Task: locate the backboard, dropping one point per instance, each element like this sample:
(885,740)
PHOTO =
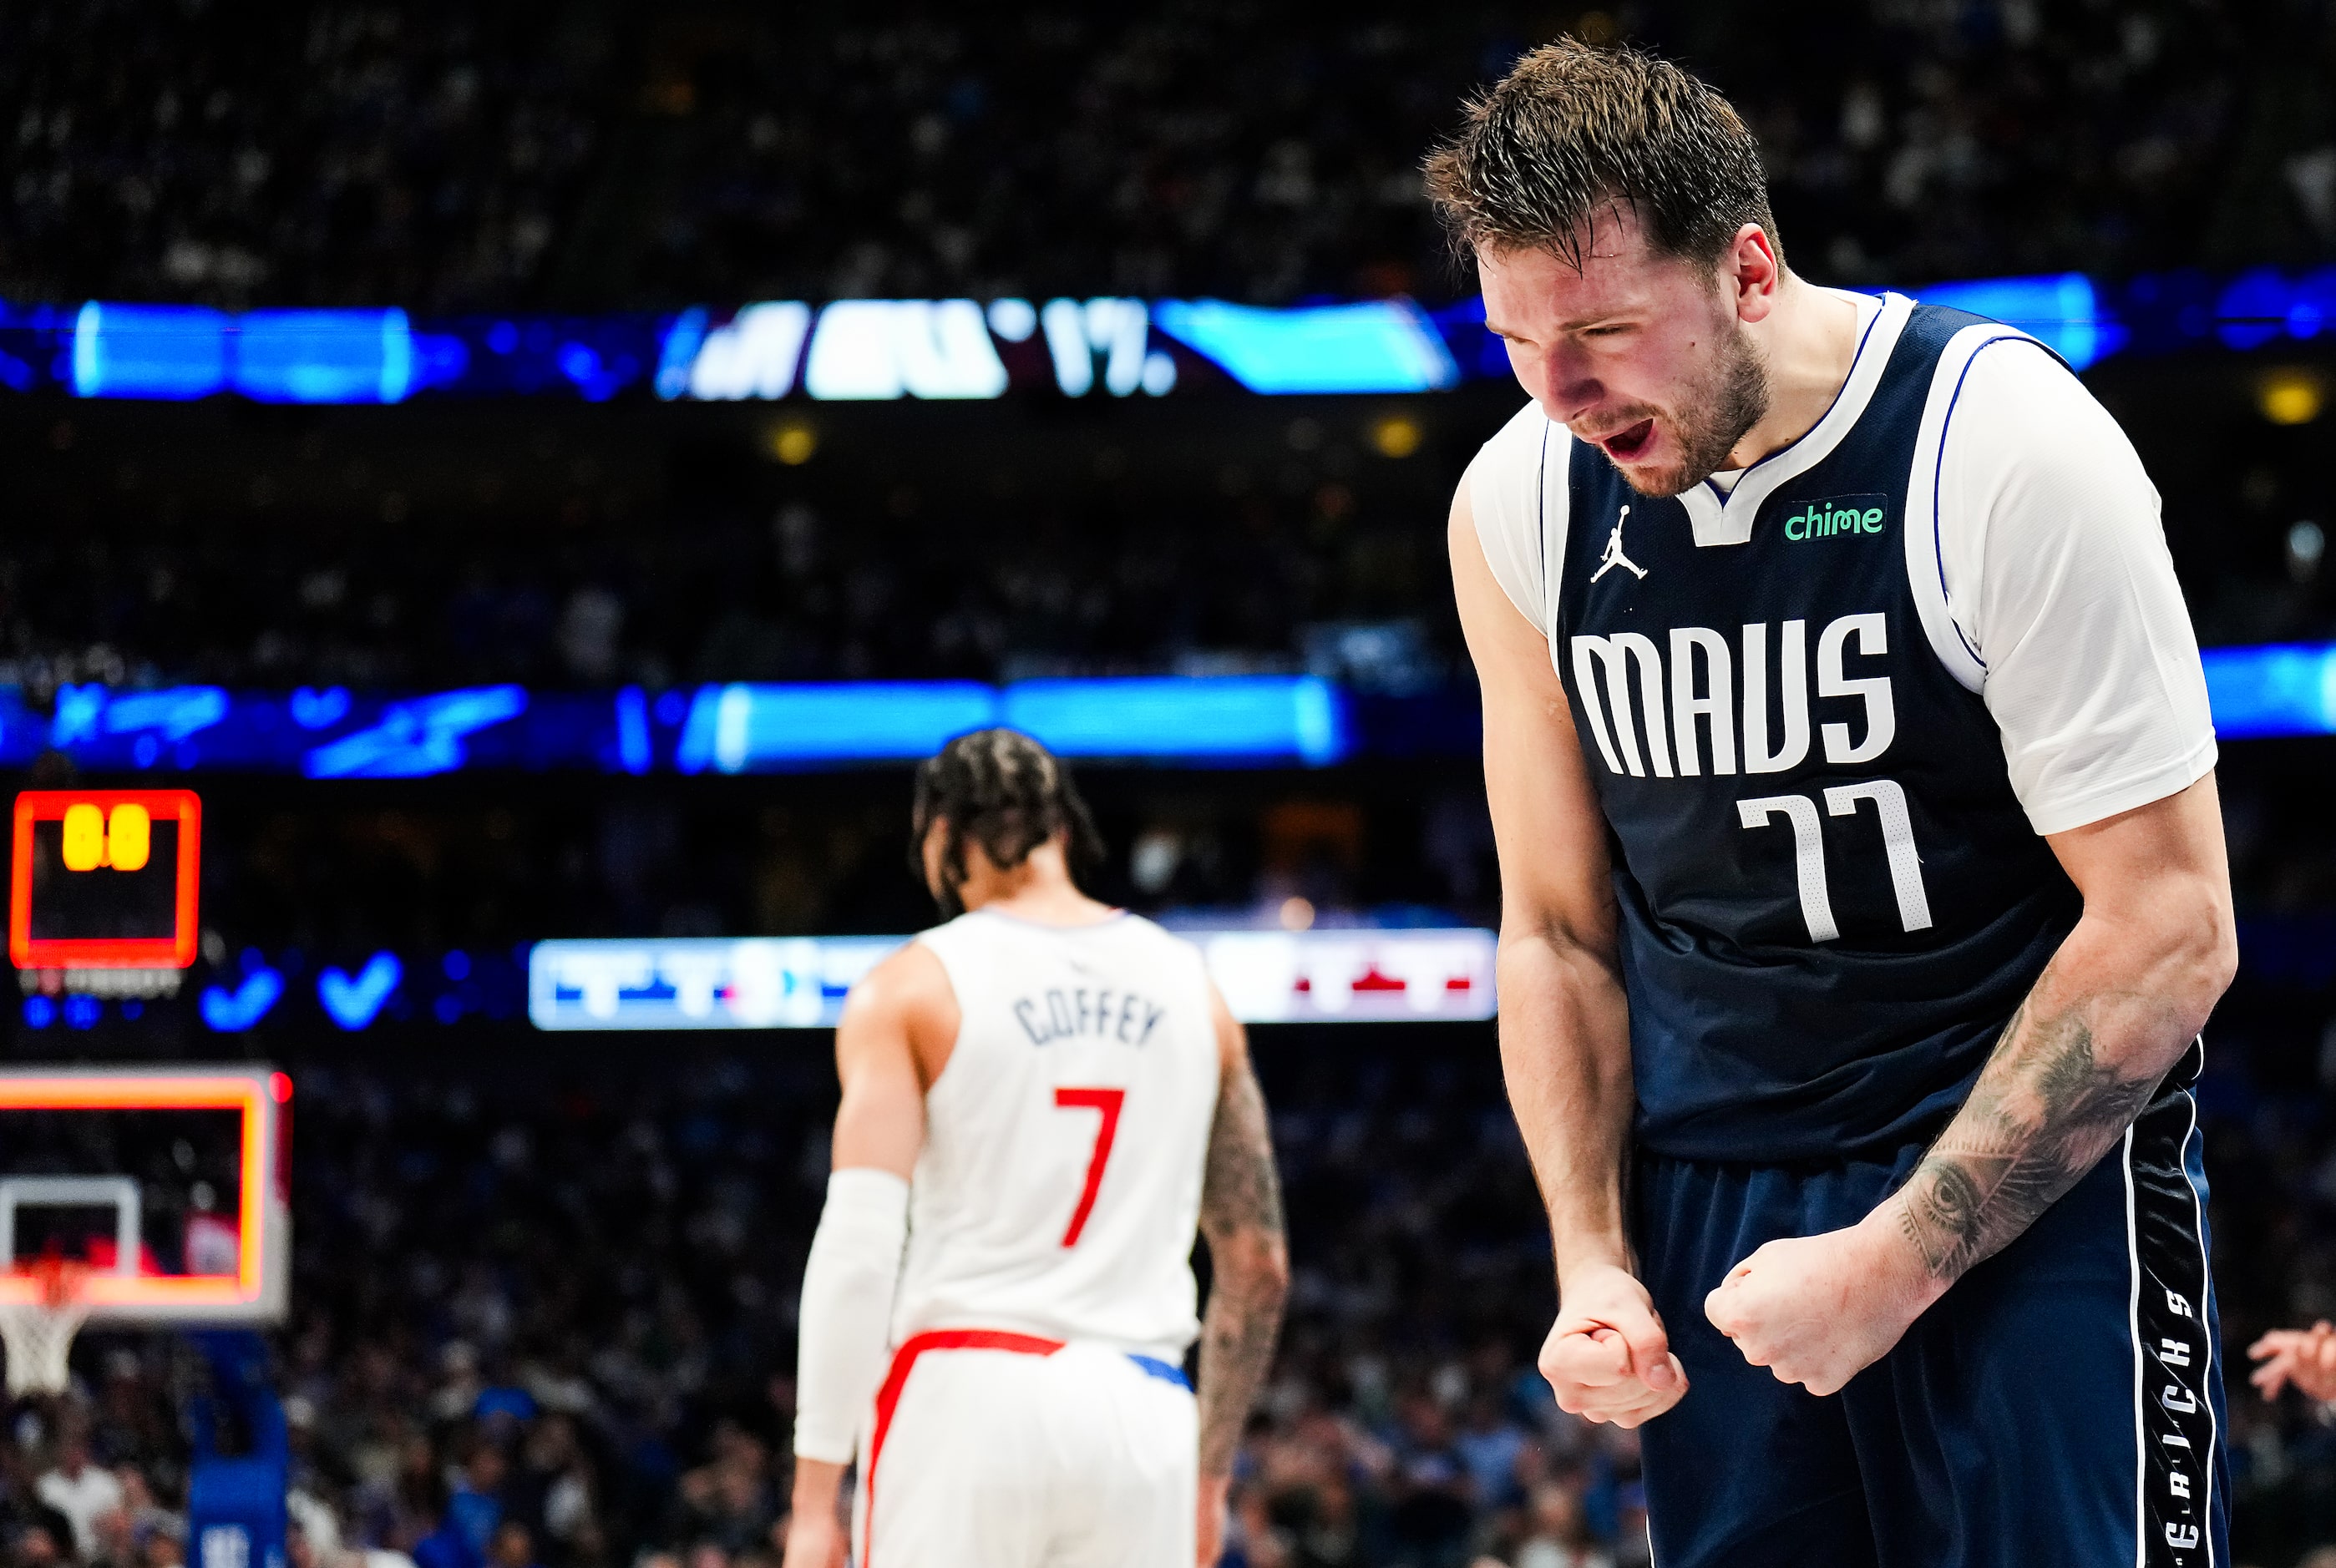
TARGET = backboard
(168,1184)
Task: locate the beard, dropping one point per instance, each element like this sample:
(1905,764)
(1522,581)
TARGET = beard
(1727,399)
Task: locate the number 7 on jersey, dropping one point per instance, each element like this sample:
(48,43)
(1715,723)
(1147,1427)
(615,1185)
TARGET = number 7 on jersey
(1108,1101)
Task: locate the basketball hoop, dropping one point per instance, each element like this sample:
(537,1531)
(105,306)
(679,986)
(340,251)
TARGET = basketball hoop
(39,1334)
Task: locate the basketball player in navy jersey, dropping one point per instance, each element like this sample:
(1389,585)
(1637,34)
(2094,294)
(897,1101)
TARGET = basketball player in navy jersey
(1863,883)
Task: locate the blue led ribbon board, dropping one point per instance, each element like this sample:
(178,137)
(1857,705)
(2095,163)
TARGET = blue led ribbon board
(1326,976)
(1197,721)
(2273,691)
(166,352)
(2059,310)
(323,734)
(886,349)
(737,728)
(305,356)
(324,356)
(1376,346)
(1213,717)
(1206,720)
(1228,721)
(413,739)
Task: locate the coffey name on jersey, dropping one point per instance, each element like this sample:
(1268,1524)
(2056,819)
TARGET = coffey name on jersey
(1059,1188)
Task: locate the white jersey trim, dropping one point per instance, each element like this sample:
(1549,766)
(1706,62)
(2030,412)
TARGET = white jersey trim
(2208,1378)
(2133,1333)
(1925,571)
(1727,518)
(1519,500)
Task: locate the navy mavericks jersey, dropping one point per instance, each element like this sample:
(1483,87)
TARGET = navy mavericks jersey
(1831,901)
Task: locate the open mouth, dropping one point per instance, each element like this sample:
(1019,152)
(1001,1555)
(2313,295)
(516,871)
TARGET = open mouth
(1627,445)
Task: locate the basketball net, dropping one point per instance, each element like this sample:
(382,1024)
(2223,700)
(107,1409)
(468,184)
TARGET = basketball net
(39,1334)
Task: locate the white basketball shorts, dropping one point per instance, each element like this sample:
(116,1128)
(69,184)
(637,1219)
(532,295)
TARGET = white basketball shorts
(1000,1450)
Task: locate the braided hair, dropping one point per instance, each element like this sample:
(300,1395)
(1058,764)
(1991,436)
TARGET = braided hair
(1003,790)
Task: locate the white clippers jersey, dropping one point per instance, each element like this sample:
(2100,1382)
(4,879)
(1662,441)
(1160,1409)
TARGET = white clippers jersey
(1059,1188)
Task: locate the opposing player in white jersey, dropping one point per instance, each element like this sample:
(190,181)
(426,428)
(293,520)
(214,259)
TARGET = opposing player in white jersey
(1043,1100)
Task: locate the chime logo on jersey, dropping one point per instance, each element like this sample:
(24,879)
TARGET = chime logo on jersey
(1058,1013)
(1824,519)
(1704,700)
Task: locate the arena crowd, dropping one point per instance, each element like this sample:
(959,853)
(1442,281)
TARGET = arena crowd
(545,155)
(543,1303)
(543,1318)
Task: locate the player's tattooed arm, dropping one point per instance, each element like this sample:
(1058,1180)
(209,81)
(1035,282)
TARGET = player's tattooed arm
(1249,1256)
(2105,1022)
(2118,1006)
(2045,1109)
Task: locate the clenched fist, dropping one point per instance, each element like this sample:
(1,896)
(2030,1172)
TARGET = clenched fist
(1818,1310)
(1607,1357)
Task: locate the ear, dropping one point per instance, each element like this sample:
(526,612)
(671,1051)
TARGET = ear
(1750,273)
(933,866)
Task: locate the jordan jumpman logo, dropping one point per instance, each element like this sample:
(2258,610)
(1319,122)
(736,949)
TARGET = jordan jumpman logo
(1614,557)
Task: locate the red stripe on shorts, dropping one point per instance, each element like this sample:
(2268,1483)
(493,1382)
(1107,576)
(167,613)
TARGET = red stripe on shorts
(888,1398)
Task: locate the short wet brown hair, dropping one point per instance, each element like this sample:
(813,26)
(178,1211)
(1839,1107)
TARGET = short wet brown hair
(1572,127)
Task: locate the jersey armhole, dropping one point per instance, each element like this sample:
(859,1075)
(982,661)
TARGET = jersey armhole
(1553,505)
(1519,510)
(942,941)
(1926,573)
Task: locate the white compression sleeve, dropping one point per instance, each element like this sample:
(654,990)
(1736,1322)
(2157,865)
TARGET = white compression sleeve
(847,1309)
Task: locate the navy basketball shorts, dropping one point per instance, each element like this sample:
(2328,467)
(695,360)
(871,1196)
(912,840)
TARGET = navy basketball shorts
(2061,1404)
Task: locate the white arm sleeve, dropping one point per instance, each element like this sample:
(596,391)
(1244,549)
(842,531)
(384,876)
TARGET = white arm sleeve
(2057,569)
(1519,507)
(847,1309)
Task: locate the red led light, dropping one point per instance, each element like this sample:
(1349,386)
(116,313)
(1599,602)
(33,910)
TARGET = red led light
(176,951)
(164,1088)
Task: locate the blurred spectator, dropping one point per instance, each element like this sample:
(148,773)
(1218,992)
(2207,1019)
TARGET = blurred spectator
(38,1544)
(730,1503)
(510,1546)
(156,1534)
(474,1512)
(628,156)
(456,1398)
(2304,1358)
(1490,1446)
(83,1491)
(1431,1493)
(552,1493)
(1557,1533)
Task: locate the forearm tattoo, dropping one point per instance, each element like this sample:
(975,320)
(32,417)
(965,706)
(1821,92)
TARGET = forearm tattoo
(2043,1112)
(1240,1213)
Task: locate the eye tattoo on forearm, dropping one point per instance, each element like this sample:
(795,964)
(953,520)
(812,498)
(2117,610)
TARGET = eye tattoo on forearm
(2043,1111)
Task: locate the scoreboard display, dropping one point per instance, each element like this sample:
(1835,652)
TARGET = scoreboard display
(104,879)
